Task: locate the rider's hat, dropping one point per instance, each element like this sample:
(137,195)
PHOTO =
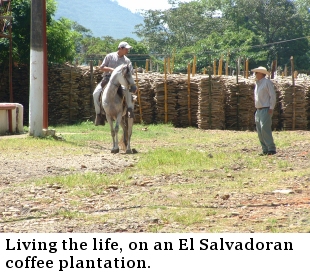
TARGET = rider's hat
(124,44)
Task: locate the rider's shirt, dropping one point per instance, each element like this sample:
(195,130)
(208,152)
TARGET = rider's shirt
(113,60)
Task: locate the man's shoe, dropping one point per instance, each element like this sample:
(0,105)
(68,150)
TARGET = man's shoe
(271,153)
(98,120)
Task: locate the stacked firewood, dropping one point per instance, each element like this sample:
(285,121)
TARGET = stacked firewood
(240,107)
(211,103)
(145,102)
(86,87)
(166,99)
(182,99)
(63,94)
(70,91)
(216,103)
(277,112)
(187,101)
(294,106)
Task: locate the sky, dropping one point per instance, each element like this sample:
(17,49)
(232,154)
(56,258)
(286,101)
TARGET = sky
(135,5)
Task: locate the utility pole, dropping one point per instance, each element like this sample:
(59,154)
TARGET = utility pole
(38,70)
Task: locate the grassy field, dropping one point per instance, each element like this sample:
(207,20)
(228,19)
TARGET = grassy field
(181,180)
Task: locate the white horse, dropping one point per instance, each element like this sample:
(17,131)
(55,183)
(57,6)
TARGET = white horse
(120,108)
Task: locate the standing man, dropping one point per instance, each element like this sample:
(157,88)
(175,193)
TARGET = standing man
(110,62)
(265,101)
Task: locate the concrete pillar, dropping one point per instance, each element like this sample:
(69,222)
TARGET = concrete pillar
(36,69)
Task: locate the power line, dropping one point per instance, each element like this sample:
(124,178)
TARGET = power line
(204,52)
(279,42)
(260,46)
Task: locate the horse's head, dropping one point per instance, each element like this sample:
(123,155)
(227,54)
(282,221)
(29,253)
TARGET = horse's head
(130,83)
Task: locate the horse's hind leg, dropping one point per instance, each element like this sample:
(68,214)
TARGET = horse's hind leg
(130,118)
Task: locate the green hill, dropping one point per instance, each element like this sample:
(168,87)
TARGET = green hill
(102,17)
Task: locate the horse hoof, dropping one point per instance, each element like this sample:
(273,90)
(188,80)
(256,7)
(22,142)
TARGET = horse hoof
(128,151)
(115,151)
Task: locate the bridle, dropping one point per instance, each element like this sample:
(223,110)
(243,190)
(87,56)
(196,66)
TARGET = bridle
(128,86)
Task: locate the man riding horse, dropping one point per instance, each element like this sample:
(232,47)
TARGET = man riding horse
(110,62)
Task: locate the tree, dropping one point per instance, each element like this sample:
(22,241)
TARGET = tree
(178,27)
(62,41)
(60,37)
(276,21)
(226,45)
(280,26)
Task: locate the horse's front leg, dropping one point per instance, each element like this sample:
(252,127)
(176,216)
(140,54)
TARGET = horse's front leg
(116,130)
(110,121)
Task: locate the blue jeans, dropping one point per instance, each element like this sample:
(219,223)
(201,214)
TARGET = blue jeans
(263,121)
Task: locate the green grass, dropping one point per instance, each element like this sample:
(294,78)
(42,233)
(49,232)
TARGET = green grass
(193,168)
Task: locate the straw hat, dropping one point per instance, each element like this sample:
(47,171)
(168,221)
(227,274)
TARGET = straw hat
(262,70)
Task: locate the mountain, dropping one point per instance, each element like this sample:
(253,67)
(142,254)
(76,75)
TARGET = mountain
(102,17)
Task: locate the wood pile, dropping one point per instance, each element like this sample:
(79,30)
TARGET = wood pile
(147,102)
(276,117)
(86,87)
(219,104)
(70,93)
(294,105)
(211,103)
(240,107)
(171,99)
(187,101)
(63,94)
(182,103)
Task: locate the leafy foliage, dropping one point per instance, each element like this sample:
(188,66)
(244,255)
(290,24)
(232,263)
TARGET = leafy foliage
(60,37)
(262,30)
(226,46)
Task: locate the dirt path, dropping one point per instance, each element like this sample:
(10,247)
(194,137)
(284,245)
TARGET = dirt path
(53,208)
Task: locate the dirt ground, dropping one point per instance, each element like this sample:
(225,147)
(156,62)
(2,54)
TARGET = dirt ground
(34,208)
